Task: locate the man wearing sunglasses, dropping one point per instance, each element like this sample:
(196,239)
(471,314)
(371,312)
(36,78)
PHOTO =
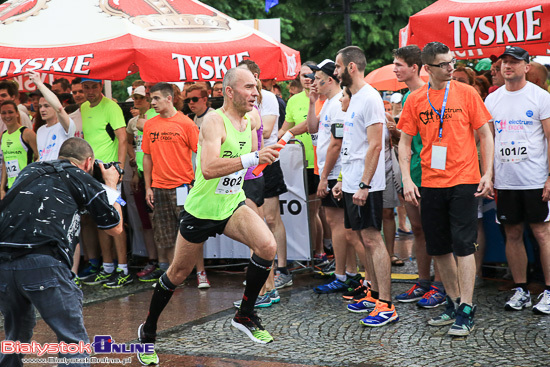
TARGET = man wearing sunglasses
(446,113)
(197,100)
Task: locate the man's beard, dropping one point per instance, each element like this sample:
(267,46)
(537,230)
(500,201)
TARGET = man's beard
(346,79)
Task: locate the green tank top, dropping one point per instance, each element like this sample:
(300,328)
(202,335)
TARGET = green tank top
(17,154)
(218,198)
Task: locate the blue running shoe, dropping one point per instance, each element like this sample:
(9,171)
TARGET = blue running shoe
(366,304)
(464,323)
(412,295)
(381,315)
(332,287)
(432,299)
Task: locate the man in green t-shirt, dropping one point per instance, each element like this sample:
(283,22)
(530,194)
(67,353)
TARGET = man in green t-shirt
(227,147)
(104,129)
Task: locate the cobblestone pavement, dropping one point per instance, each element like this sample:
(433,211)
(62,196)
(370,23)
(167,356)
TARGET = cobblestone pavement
(314,330)
(318,330)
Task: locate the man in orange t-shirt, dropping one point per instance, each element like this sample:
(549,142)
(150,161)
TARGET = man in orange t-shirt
(168,142)
(446,113)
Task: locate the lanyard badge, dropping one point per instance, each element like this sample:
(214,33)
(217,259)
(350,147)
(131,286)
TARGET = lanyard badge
(439,150)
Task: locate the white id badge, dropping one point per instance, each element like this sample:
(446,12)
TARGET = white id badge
(439,156)
(181,195)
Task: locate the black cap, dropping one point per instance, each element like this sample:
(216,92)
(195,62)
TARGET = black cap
(310,76)
(516,52)
(326,66)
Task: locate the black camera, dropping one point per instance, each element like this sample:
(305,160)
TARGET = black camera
(97,170)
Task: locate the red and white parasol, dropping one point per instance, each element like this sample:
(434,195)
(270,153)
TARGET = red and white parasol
(167,40)
(476,29)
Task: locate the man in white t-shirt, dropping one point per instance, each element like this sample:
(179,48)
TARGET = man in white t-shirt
(58,128)
(521,123)
(363,182)
(329,144)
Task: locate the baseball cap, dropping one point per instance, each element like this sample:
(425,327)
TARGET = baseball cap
(84,80)
(483,64)
(396,98)
(517,53)
(326,66)
(310,76)
(140,91)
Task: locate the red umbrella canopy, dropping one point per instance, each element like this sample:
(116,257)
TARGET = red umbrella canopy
(384,78)
(480,28)
(168,40)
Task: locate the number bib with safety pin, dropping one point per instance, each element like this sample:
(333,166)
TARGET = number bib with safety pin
(231,184)
(138,138)
(513,151)
(12,168)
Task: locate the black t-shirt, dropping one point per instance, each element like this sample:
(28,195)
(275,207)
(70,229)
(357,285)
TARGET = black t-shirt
(45,212)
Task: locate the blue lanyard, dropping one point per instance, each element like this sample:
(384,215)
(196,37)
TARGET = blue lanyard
(442,107)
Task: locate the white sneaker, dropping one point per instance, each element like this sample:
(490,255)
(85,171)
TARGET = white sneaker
(543,307)
(519,300)
(202,280)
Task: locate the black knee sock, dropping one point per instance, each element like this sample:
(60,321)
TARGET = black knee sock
(374,294)
(256,275)
(161,296)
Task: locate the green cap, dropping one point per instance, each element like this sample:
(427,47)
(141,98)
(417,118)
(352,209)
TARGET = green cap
(483,64)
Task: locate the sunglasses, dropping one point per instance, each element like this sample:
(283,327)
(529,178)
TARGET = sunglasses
(192,99)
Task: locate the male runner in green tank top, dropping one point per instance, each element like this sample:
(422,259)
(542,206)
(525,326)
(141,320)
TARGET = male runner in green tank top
(215,205)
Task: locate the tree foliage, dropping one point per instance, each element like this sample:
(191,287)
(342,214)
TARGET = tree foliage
(316,27)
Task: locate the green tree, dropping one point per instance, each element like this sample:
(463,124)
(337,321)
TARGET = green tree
(308,26)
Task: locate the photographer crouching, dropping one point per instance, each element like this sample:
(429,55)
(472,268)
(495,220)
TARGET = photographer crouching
(39,228)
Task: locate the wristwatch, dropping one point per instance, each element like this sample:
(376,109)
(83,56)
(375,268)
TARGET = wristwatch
(363,185)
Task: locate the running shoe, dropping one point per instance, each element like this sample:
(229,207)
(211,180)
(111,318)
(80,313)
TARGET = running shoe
(274,295)
(543,307)
(97,278)
(381,315)
(261,302)
(464,323)
(432,299)
(251,325)
(90,269)
(412,295)
(320,259)
(77,281)
(283,280)
(149,268)
(119,280)
(366,304)
(520,300)
(333,287)
(360,290)
(146,359)
(152,276)
(447,317)
(202,280)
(354,281)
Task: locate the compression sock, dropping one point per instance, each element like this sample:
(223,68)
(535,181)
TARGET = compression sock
(256,275)
(161,296)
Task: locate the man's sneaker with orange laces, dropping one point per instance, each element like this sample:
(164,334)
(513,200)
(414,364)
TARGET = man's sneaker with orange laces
(360,290)
(365,304)
(412,295)
(433,298)
(381,315)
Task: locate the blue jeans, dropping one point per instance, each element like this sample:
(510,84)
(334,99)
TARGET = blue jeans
(44,283)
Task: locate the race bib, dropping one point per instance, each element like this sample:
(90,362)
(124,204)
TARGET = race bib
(231,184)
(513,151)
(345,152)
(314,139)
(12,168)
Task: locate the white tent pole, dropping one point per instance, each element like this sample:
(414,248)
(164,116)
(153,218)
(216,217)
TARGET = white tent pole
(108,89)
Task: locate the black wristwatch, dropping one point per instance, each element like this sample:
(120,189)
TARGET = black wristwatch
(363,185)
